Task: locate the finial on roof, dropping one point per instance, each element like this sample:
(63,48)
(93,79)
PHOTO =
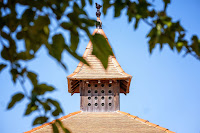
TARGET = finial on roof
(98,14)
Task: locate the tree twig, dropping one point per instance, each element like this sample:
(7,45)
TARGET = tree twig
(150,24)
(23,87)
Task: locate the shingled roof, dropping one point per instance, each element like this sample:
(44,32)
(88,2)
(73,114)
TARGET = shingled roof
(96,70)
(106,122)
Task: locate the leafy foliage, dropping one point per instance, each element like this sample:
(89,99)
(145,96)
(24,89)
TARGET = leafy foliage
(33,77)
(163,29)
(16,98)
(101,49)
(55,128)
(61,125)
(34,27)
(30,108)
(2,66)
(40,120)
(58,110)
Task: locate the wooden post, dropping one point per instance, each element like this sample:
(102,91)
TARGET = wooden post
(116,96)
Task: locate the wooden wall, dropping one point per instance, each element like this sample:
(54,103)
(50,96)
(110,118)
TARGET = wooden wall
(99,96)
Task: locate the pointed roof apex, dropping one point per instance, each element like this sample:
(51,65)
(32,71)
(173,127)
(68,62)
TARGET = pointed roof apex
(96,71)
(98,14)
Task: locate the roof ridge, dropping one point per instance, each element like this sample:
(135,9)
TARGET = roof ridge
(145,121)
(49,123)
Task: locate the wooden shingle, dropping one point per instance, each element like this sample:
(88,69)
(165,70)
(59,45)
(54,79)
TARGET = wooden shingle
(98,122)
(96,70)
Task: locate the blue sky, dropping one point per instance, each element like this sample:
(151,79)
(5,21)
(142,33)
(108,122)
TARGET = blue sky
(165,85)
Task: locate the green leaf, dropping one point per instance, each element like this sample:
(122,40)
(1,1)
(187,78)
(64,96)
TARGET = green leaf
(77,11)
(66,25)
(31,108)
(83,3)
(90,1)
(36,40)
(41,22)
(101,49)
(74,54)
(9,53)
(24,56)
(74,41)
(55,103)
(136,23)
(42,89)
(106,5)
(16,98)
(46,30)
(56,49)
(88,22)
(55,128)
(132,11)
(27,17)
(118,7)
(45,106)
(63,65)
(179,46)
(195,45)
(166,3)
(56,112)
(14,74)
(58,109)
(40,120)
(152,13)
(12,21)
(23,71)
(163,39)
(152,43)
(20,35)
(2,66)
(61,125)
(33,77)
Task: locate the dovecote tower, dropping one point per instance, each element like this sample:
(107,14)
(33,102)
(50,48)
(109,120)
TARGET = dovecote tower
(99,88)
(99,92)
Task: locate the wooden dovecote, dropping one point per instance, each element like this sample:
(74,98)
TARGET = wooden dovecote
(99,88)
(99,91)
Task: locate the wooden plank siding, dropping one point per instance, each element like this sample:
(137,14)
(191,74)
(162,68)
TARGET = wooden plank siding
(99,97)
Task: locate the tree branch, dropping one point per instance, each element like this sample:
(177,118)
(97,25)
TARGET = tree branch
(23,87)
(148,23)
